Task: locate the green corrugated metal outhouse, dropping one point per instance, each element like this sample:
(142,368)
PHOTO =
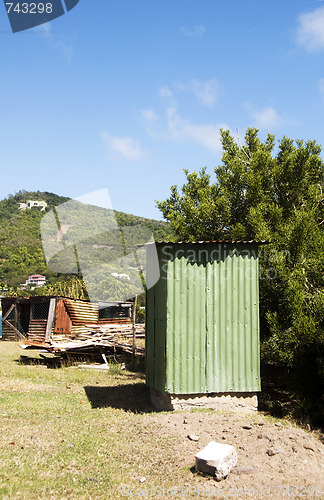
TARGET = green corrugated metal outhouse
(202,320)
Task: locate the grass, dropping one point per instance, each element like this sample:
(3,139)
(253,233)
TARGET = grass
(68,433)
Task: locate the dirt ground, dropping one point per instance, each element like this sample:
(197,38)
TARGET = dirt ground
(276,459)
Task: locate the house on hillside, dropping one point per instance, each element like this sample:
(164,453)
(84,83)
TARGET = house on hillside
(31,203)
(35,280)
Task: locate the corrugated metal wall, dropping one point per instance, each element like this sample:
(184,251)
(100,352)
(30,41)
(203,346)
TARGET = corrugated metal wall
(156,322)
(37,329)
(203,319)
(82,312)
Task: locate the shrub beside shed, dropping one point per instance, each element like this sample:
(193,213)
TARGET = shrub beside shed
(202,325)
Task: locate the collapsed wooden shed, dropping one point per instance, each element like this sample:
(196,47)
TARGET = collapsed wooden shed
(41,319)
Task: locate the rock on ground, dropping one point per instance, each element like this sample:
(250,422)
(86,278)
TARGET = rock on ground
(217,459)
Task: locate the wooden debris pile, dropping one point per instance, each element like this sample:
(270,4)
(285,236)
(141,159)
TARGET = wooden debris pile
(63,324)
(115,337)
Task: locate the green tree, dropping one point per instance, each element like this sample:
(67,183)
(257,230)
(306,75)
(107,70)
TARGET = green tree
(71,286)
(201,211)
(274,193)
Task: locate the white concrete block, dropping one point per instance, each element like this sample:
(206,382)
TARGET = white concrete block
(217,459)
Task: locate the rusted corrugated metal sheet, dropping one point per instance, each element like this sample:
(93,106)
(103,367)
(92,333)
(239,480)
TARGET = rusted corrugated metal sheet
(37,329)
(63,321)
(203,320)
(82,312)
(106,321)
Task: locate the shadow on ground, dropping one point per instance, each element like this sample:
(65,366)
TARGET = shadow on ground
(50,362)
(129,397)
(137,366)
(275,398)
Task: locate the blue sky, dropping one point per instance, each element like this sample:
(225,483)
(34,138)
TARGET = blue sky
(125,94)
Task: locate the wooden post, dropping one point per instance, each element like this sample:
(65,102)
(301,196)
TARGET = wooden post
(134,329)
(104,356)
(8,312)
(50,319)
(5,320)
(20,335)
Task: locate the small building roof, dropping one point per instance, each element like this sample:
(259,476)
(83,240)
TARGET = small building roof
(233,242)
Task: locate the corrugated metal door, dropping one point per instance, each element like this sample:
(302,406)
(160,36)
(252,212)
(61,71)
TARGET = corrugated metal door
(232,348)
(186,325)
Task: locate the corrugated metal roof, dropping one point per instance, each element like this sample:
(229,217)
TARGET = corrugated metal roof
(35,298)
(81,312)
(245,242)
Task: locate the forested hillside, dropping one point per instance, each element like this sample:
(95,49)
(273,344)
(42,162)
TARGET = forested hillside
(21,252)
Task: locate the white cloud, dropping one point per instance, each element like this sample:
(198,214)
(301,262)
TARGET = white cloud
(197,31)
(267,118)
(45,29)
(56,41)
(180,129)
(167,94)
(124,146)
(169,125)
(173,127)
(207,92)
(310,31)
(150,120)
